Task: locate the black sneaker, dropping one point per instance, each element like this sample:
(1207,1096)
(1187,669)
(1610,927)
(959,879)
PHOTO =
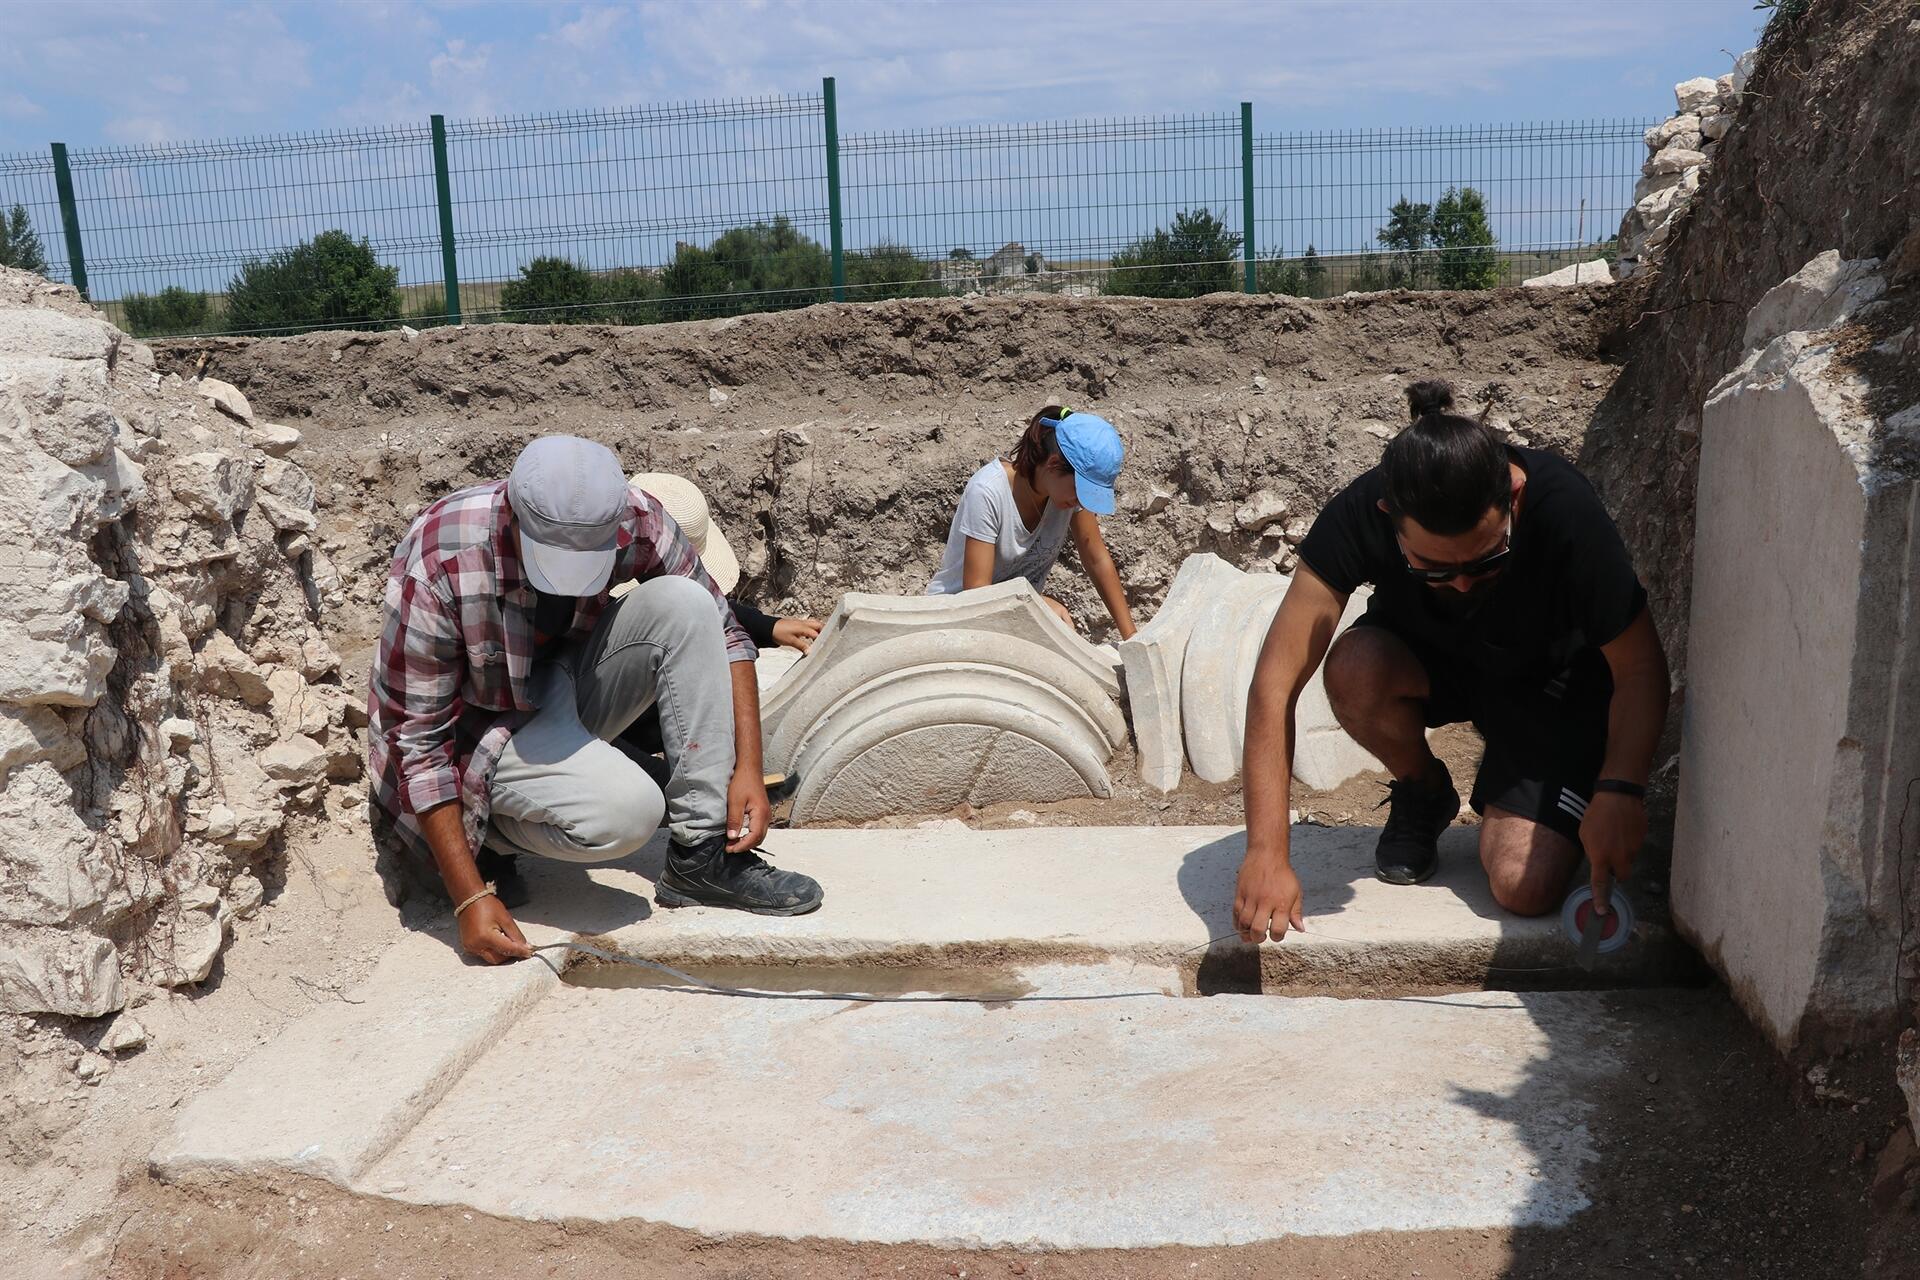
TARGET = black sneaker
(1409,848)
(503,871)
(706,875)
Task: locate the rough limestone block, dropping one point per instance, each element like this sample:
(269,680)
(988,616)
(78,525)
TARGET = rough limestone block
(1676,160)
(1696,93)
(913,704)
(1154,658)
(226,397)
(30,734)
(213,485)
(57,971)
(226,669)
(1222,650)
(296,761)
(191,940)
(1743,71)
(52,866)
(273,439)
(1814,297)
(1666,131)
(1595,272)
(1802,725)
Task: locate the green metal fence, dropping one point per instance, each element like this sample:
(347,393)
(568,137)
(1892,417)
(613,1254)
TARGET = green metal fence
(1554,193)
(661,213)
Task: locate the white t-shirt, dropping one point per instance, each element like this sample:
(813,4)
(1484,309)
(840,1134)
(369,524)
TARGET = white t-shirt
(988,512)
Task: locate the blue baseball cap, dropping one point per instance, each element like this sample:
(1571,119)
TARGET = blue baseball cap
(1092,448)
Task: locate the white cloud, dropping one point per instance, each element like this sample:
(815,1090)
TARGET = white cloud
(142,131)
(15,105)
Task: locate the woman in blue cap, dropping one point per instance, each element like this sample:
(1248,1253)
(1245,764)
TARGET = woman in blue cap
(1015,514)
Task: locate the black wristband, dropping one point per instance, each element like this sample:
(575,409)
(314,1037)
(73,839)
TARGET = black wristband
(1622,787)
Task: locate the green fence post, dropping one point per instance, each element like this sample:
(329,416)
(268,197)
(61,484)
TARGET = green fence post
(70,218)
(1246,192)
(833,193)
(449,264)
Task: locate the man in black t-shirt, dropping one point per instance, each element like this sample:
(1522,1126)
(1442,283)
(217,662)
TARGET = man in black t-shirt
(1503,596)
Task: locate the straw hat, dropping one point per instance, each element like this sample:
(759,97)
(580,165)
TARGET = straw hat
(688,506)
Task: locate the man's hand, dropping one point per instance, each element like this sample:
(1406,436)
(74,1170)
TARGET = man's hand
(488,933)
(748,811)
(796,633)
(1267,899)
(1612,833)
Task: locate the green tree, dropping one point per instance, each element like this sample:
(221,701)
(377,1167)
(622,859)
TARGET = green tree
(627,297)
(1465,239)
(1277,275)
(20,243)
(764,267)
(328,282)
(1409,225)
(1197,256)
(549,290)
(888,270)
(1313,274)
(960,255)
(172,311)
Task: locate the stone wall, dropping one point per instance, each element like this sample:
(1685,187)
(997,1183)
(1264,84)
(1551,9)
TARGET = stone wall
(1801,739)
(165,697)
(1681,148)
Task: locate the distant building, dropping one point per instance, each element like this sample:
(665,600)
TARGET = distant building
(1012,259)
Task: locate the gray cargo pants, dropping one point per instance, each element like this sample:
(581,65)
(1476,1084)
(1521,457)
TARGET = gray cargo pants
(564,790)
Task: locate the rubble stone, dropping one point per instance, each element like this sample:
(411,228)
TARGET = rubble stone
(124,494)
(124,1035)
(225,397)
(1696,93)
(1595,272)
(214,485)
(273,439)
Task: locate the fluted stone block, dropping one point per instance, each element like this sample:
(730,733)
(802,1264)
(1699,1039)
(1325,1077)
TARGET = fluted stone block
(1189,670)
(913,704)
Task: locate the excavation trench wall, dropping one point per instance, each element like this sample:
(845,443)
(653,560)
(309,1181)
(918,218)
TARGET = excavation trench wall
(833,442)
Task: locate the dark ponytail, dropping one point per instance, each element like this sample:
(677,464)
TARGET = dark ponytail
(1429,395)
(1040,442)
(1445,471)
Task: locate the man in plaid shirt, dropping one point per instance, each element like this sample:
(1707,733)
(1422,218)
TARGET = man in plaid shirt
(507,671)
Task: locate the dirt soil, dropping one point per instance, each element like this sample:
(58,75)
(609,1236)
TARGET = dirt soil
(833,442)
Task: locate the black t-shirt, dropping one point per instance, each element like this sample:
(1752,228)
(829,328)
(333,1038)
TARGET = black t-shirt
(1568,587)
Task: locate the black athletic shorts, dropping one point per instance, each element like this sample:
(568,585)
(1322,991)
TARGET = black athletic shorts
(1545,740)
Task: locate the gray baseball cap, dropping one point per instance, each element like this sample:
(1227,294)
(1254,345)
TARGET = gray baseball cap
(568,497)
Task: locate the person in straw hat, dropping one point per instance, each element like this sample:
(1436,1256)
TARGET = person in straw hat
(507,665)
(683,500)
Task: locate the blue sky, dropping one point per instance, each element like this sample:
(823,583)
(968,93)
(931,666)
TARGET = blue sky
(88,72)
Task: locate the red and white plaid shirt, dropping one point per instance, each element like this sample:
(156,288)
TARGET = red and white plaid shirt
(449,683)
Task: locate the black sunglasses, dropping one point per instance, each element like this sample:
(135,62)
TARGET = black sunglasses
(1472,569)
